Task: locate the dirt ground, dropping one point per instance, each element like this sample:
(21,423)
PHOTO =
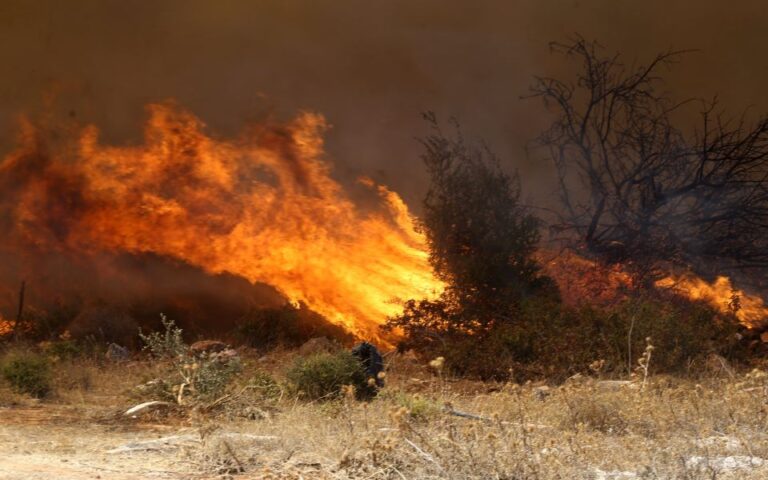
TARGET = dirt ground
(48,442)
(588,428)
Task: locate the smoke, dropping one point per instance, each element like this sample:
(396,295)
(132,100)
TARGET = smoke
(370,68)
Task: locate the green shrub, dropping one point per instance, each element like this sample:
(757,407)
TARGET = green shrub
(547,339)
(208,377)
(64,349)
(200,380)
(321,376)
(166,344)
(682,332)
(27,372)
(185,378)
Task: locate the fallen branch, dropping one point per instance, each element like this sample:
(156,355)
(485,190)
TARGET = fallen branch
(165,443)
(177,441)
(143,406)
(450,410)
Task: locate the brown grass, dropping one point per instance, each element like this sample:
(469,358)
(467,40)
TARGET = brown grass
(583,428)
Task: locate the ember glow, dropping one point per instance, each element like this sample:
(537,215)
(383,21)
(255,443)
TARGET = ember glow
(6,327)
(580,279)
(262,206)
(749,309)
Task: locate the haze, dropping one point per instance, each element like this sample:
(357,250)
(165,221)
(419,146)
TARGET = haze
(369,67)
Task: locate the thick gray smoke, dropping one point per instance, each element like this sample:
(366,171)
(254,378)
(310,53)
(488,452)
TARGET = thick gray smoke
(370,67)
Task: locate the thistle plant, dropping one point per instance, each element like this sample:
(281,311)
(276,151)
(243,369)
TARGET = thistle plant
(191,378)
(644,362)
(166,344)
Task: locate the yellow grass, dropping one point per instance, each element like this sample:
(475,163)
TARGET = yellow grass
(714,427)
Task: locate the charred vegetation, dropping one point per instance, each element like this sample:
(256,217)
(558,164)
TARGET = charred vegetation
(637,185)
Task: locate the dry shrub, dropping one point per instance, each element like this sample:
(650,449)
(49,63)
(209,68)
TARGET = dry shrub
(255,398)
(264,386)
(594,414)
(419,407)
(75,374)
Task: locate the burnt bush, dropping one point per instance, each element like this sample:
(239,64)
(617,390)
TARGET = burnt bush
(639,183)
(105,324)
(286,326)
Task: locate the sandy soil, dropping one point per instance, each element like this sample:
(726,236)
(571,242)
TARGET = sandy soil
(56,443)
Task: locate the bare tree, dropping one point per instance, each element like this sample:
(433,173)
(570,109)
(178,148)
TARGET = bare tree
(635,186)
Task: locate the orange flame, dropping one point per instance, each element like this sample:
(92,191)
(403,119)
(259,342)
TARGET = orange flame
(262,206)
(6,327)
(581,280)
(749,309)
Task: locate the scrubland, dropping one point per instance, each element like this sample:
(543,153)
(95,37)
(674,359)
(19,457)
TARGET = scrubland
(424,424)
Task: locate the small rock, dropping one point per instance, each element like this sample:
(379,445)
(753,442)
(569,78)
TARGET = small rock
(614,475)
(730,444)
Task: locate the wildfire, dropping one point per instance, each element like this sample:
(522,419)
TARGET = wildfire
(262,206)
(582,280)
(749,309)
(6,327)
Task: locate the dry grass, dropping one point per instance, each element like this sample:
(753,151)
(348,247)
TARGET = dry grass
(585,428)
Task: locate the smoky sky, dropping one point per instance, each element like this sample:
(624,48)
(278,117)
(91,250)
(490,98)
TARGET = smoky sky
(371,67)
